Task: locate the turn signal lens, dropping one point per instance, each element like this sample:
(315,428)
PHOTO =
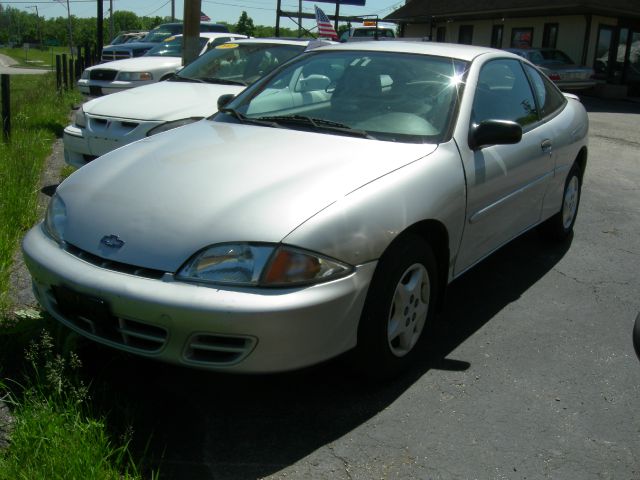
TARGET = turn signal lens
(290,266)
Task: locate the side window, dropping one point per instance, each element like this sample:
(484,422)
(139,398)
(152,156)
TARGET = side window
(503,93)
(549,98)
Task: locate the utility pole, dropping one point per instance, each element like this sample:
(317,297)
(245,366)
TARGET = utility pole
(191,35)
(299,18)
(70,29)
(99,31)
(110,20)
(278,8)
(173,10)
(38,30)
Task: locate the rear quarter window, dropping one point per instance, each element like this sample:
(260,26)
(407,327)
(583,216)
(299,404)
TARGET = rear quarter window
(549,98)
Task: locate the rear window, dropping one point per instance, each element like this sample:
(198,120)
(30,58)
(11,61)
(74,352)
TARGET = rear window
(207,27)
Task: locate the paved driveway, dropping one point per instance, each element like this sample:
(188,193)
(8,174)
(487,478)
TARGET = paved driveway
(6,67)
(531,371)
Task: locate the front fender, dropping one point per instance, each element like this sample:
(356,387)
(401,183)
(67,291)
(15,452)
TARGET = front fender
(360,226)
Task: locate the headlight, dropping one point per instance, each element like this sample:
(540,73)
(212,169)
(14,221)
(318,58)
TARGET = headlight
(171,125)
(264,265)
(56,219)
(134,76)
(79,118)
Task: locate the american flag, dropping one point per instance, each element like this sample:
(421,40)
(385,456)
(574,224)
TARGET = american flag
(204,17)
(325,29)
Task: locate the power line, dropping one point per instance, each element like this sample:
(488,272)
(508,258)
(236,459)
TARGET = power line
(161,6)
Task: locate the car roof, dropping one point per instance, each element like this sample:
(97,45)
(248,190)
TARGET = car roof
(451,50)
(283,41)
(212,35)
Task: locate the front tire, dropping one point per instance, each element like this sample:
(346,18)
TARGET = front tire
(400,303)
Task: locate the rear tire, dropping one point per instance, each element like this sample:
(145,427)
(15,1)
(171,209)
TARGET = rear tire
(400,303)
(560,226)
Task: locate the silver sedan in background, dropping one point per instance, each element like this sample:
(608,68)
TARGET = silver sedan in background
(324,209)
(557,65)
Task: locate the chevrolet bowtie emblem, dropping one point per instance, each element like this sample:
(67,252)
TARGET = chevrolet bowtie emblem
(112,241)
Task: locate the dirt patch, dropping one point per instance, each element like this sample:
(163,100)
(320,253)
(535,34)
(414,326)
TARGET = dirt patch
(20,293)
(6,425)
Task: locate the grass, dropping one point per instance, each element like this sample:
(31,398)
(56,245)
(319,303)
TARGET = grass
(36,121)
(56,433)
(35,57)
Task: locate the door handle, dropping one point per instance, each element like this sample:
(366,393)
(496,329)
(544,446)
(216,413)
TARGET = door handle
(546,145)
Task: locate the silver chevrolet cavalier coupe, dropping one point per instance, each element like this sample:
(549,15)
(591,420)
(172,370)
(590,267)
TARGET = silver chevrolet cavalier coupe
(324,209)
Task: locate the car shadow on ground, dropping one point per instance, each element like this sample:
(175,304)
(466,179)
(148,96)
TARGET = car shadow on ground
(206,425)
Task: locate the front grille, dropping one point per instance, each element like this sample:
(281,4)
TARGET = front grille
(114,266)
(115,55)
(102,74)
(218,349)
(93,316)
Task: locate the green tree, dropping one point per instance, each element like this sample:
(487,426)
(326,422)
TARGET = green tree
(245,25)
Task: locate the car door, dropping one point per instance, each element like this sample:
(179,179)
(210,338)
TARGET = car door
(505,183)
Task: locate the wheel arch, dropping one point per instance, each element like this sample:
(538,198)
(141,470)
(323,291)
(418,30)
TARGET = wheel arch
(436,235)
(581,161)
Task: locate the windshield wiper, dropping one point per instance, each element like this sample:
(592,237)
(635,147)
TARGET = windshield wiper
(179,78)
(244,119)
(223,81)
(318,123)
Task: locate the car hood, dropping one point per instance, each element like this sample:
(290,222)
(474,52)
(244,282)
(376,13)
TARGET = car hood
(170,195)
(139,64)
(130,46)
(164,101)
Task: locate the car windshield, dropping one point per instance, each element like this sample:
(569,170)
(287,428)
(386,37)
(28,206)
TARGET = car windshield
(555,56)
(382,95)
(156,36)
(241,63)
(171,47)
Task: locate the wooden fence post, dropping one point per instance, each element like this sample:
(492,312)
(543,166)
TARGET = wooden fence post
(65,78)
(58,73)
(6,106)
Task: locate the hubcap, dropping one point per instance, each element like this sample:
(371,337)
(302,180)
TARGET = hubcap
(570,205)
(408,311)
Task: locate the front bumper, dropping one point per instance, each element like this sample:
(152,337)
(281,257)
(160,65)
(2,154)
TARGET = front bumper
(216,328)
(101,135)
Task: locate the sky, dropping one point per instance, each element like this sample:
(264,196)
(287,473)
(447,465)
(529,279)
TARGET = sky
(261,11)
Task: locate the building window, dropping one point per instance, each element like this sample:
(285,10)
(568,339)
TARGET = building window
(550,35)
(604,44)
(465,35)
(496,36)
(522,37)
(441,34)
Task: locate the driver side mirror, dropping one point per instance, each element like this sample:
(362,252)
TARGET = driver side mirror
(223,100)
(494,132)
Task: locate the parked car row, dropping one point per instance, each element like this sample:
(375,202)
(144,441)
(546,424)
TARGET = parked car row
(146,43)
(109,122)
(157,64)
(323,209)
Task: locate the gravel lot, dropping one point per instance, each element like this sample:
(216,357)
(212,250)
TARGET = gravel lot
(530,372)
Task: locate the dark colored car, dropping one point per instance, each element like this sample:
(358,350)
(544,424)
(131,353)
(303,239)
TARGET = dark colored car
(559,67)
(155,36)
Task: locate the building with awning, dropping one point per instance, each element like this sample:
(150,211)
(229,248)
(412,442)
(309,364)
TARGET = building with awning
(604,35)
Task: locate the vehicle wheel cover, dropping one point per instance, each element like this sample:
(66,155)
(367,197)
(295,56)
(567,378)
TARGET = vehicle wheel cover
(408,311)
(570,205)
